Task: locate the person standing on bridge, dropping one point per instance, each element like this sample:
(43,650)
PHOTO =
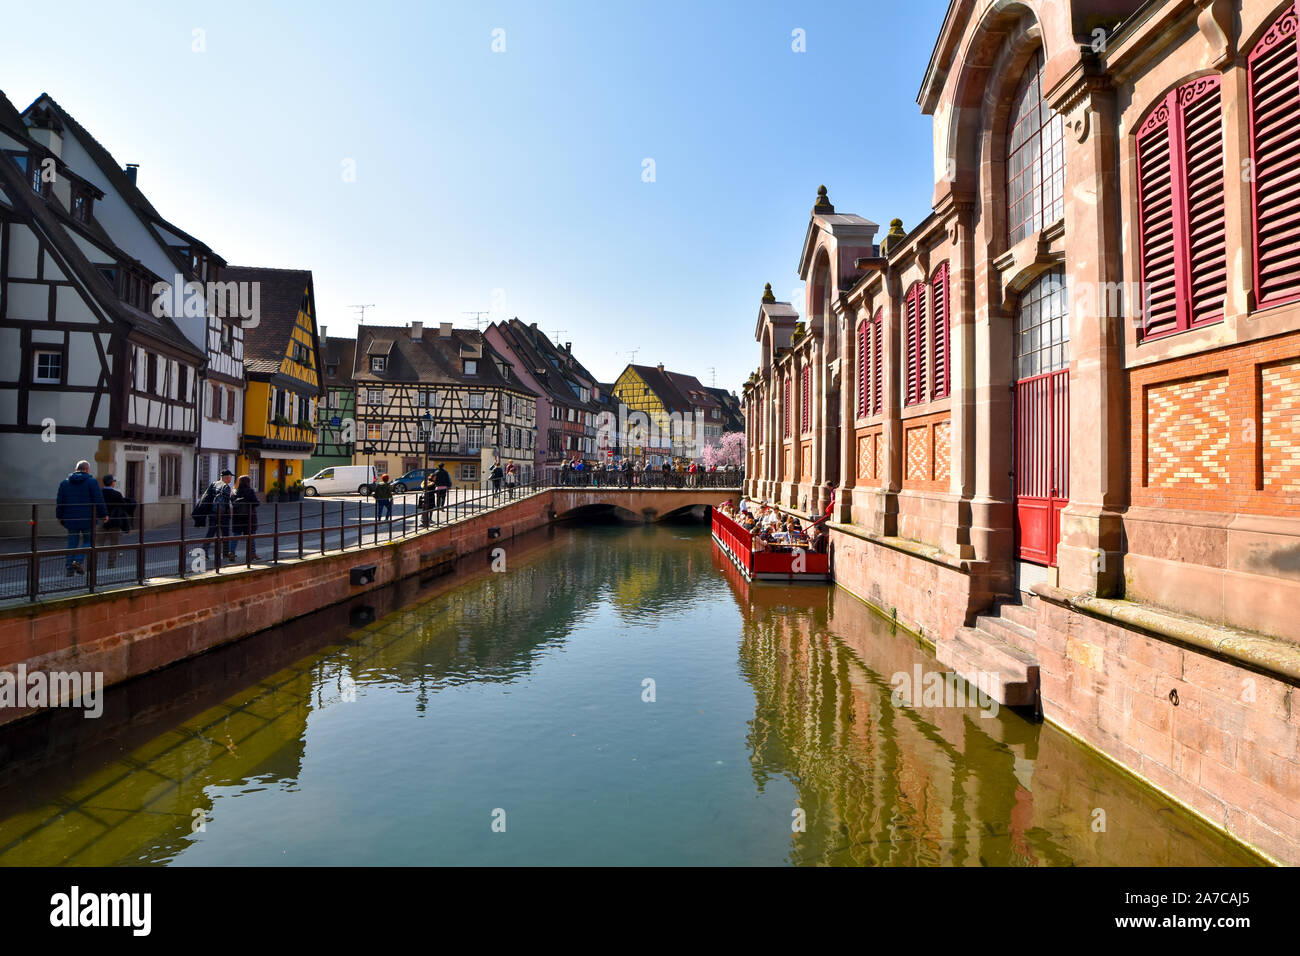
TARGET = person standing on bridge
(243,515)
(218,497)
(497,475)
(78,503)
(120,511)
(512,479)
(442,484)
(383,498)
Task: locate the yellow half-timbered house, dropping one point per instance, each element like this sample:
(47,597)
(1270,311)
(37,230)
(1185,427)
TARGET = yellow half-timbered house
(282,368)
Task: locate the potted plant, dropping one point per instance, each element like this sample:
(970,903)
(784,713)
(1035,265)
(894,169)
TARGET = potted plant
(276,492)
(294,491)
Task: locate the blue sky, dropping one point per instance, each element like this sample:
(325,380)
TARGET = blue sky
(509,182)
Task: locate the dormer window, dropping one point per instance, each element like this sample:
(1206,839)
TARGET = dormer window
(81,207)
(378,363)
(331,370)
(471,367)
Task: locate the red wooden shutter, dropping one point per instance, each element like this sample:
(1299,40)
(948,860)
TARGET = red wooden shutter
(915,318)
(864,373)
(939,335)
(1202,148)
(787,408)
(805,419)
(1181,185)
(1158,243)
(230,405)
(877,369)
(1275,206)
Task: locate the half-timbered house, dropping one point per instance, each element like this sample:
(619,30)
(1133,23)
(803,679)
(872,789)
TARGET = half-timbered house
(336,415)
(187,282)
(282,374)
(566,411)
(426,396)
(89,371)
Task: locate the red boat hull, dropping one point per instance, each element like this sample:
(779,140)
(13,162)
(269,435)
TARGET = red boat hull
(797,565)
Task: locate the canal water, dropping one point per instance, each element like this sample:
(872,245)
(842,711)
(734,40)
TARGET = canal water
(612,695)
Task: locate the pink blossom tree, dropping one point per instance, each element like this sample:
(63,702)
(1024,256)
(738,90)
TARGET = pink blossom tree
(730,450)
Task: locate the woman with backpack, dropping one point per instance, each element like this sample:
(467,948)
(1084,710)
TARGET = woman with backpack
(243,510)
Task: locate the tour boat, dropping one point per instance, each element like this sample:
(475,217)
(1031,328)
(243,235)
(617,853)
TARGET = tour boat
(798,564)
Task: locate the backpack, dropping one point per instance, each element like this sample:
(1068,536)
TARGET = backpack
(206,506)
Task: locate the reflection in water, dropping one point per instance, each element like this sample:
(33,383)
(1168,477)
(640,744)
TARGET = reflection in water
(346,739)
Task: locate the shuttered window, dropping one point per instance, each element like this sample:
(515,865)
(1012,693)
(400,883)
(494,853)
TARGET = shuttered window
(786,408)
(1180,196)
(877,368)
(939,363)
(805,416)
(1275,191)
(864,370)
(915,380)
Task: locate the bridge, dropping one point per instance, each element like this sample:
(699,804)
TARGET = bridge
(636,504)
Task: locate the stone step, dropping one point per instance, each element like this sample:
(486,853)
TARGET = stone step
(1005,629)
(1026,615)
(1011,674)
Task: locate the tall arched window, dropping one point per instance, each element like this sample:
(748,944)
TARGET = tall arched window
(805,417)
(1275,187)
(939,365)
(786,408)
(1180,203)
(1035,158)
(914,383)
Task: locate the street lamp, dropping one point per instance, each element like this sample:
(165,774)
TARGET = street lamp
(426,425)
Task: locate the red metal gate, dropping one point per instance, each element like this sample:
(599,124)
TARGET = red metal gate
(1042,463)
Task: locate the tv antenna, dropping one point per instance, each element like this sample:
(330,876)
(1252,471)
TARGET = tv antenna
(361,319)
(632,354)
(478,318)
(713,377)
(558,334)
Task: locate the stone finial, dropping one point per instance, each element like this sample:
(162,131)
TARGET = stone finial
(767,293)
(896,229)
(823,206)
(799,329)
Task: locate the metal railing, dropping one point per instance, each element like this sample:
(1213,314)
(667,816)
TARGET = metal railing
(651,478)
(174,545)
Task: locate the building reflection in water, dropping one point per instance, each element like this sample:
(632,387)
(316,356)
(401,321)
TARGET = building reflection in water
(884,784)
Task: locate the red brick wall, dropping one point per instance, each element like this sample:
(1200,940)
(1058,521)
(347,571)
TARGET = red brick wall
(1218,431)
(926,453)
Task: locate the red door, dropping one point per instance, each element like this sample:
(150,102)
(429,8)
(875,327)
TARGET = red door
(1042,464)
(1042,417)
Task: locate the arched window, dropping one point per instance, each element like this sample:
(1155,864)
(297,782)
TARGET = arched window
(786,407)
(939,364)
(1275,187)
(1035,158)
(1181,218)
(1043,327)
(864,369)
(805,416)
(914,383)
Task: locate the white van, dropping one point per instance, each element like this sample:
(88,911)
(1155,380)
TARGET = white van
(341,480)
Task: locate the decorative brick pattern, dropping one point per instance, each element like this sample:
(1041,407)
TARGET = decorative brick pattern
(1279,400)
(917,444)
(1188,433)
(867,457)
(942,451)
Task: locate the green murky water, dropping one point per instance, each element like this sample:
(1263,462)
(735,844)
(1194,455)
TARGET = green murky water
(501,718)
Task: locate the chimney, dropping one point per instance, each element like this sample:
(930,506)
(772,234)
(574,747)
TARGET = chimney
(47,129)
(444,329)
(323,337)
(417,331)
(661,366)
(131,170)
(568,347)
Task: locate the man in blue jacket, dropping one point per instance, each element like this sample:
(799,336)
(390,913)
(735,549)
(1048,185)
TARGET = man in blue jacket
(80,501)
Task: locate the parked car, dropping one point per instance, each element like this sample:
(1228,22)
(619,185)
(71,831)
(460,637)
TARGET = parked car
(341,480)
(413,480)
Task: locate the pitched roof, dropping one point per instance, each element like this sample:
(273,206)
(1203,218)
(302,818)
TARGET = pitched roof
(280,295)
(691,389)
(49,219)
(546,363)
(341,352)
(658,382)
(433,359)
(121,183)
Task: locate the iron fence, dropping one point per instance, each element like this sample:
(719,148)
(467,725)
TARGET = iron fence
(175,545)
